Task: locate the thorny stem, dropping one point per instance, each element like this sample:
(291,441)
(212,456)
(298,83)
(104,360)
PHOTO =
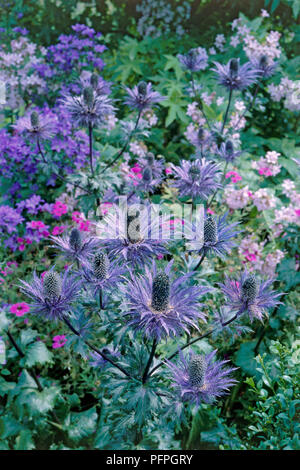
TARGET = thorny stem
(145,375)
(77,333)
(190,343)
(124,146)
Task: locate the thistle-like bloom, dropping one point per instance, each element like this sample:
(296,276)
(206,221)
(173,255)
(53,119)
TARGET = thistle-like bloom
(196,179)
(201,379)
(142,97)
(217,236)
(194,60)
(35,126)
(148,183)
(53,294)
(234,76)
(100,273)
(136,241)
(265,68)
(249,295)
(156,164)
(227,152)
(74,247)
(201,138)
(88,109)
(159,306)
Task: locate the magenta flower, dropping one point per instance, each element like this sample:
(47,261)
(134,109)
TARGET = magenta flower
(59,341)
(20,309)
(59,209)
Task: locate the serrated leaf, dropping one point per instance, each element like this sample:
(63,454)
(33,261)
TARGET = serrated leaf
(37,353)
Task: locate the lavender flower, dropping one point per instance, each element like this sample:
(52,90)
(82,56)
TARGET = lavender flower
(199,378)
(194,60)
(53,295)
(36,126)
(227,152)
(138,242)
(88,109)
(159,306)
(142,97)
(9,219)
(250,295)
(265,68)
(196,179)
(74,247)
(100,273)
(235,77)
(217,235)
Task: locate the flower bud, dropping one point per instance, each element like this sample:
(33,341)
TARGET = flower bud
(263,61)
(229,147)
(150,158)
(160,292)
(196,369)
(100,265)
(234,67)
(250,288)
(34,118)
(133,225)
(75,239)
(142,88)
(194,172)
(210,230)
(88,96)
(147,174)
(52,285)
(94,80)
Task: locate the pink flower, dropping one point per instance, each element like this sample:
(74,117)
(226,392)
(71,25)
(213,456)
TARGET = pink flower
(20,309)
(160,256)
(168,171)
(59,341)
(36,224)
(265,171)
(21,247)
(235,177)
(84,226)
(58,229)
(76,216)
(209,211)
(297,212)
(59,209)
(136,168)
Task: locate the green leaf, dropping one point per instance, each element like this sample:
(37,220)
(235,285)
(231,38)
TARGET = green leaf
(24,440)
(82,424)
(37,353)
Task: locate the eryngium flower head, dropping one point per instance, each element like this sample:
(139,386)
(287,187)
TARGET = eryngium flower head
(234,76)
(265,67)
(140,240)
(142,97)
(52,296)
(35,126)
(88,109)
(100,273)
(217,236)
(249,295)
(74,247)
(199,378)
(194,60)
(160,306)
(156,165)
(197,179)
(227,152)
(148,182)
